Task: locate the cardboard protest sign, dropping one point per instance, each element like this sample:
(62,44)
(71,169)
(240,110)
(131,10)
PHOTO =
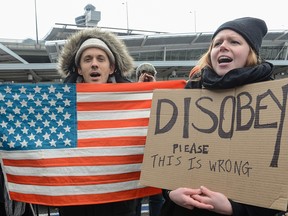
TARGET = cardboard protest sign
(234,141)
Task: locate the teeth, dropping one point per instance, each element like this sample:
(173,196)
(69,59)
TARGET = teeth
(224,59)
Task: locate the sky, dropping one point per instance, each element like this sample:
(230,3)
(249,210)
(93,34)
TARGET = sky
(18,17)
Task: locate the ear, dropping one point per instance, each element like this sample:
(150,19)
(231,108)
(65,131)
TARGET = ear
(79,71)
(112,67)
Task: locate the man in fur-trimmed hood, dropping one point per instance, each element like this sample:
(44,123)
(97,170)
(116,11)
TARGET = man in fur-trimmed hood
(68,62)
(96,56)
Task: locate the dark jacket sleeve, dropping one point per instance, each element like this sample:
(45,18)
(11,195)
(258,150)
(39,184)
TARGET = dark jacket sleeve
(240,209)
(165,194)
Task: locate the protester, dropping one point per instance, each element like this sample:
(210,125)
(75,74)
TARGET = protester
(96,56)
(232,60)
(146,72)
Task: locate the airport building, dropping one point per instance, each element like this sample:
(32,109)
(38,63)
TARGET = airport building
(173,55)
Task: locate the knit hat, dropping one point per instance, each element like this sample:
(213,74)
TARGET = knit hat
(251,29)
(146,67)
(95,43)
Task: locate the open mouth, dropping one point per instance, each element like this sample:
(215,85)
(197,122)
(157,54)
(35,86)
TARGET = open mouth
(95,74)
(224,59)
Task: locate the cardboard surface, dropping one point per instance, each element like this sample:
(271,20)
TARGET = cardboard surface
(234,141)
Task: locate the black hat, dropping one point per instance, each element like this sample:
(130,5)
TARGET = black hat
(251,29)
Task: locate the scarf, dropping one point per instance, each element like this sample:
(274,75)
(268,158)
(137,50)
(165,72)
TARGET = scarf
(236,77)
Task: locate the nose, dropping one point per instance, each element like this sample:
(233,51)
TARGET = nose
(94,62)
(223,46)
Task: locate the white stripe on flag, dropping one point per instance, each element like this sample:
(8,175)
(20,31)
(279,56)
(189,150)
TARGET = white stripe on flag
(72,190)
(112,132)
(74,170)
(112,115)
(73,152)
(112,96)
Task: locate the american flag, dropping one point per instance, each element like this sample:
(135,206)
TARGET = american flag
(74,144)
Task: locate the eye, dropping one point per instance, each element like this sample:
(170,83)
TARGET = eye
(235,42)
(217,43)
(87,59)
(101,58)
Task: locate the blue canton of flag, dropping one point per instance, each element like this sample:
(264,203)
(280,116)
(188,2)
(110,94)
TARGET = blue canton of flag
(37,116)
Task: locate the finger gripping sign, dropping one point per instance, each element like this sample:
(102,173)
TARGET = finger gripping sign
(234,141)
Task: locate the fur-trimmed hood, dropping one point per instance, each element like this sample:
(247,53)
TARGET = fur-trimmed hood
(123,60)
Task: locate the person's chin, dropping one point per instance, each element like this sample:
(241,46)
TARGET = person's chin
(94,81)
(222,71)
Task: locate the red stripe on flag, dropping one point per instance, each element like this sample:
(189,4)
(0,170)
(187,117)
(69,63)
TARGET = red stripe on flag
(115,105)
(72,180)
(76,161)
(128,87)
(97,124)
(84,199)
